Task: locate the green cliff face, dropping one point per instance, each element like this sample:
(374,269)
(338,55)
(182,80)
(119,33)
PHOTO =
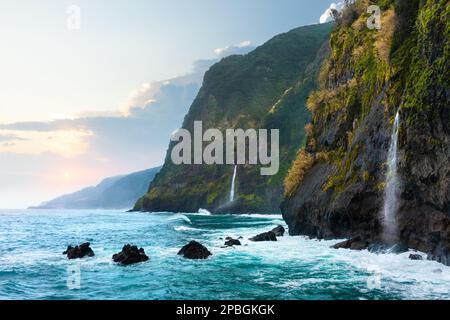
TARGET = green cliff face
(336,186)
(265,89)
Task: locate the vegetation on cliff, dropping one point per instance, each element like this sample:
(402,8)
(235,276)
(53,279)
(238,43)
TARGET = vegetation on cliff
(368,77)
(265,89)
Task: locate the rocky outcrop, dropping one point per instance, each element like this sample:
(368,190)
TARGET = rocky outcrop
(415,257)
(78,252)
(229,242)
(279,231)
(340,179)
(266,236)
(355,244)
(194,250)
(130,255)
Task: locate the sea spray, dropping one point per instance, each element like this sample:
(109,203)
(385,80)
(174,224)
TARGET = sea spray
(232,184)
(390,206)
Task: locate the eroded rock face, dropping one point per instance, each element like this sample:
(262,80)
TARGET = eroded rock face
(129,255)
(78,252)
(279,231)
(266,236)
(195,250)
(342,196)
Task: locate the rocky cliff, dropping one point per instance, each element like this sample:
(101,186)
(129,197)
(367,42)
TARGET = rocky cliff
(335,189)
(266,89)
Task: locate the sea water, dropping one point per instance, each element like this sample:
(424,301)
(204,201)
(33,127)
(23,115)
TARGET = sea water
(32,265)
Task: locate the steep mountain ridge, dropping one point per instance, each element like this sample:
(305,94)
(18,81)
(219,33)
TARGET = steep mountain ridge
(266,89)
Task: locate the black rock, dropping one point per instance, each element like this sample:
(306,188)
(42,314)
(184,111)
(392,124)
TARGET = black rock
(129,255)
(78,252)
(279,231)
(232,242)
(415,257)
(266,236)
(357,243)
(194,250)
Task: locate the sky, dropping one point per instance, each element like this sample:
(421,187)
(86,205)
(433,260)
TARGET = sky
(81,101)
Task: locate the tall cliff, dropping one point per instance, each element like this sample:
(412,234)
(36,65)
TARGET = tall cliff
(266,89)
(336,187)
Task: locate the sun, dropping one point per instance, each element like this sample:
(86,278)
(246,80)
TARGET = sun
(67,174)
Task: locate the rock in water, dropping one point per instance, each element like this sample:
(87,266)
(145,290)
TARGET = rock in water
(232,242)
(279,231)
(129,255)
(356,243)
(194,250)
(78,252)
(415,257)
(266,236)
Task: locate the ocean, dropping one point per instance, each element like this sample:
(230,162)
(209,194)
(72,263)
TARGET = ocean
(32,265)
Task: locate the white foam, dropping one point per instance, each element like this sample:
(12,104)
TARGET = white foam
(184,228)
(179,216)
(203,212)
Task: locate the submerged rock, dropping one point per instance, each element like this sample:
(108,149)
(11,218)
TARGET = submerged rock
(356,243)
(415,257)
(194,250)
(266,236)
(232,242)
(78,252)
(279,231)
(130,255)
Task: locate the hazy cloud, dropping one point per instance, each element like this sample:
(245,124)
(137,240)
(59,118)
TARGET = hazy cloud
(327,16)
(240,48)
(9,137)
(64,155)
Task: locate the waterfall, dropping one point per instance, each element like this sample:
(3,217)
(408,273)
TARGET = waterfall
(391,191)
(232,184)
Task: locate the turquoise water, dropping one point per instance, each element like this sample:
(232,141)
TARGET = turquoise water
(32,266)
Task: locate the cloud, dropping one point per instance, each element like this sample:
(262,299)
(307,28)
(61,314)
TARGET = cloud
(94,145)
(65,143)
(43,160)
(10,137)
(149,93)
(8,144)
(240,48)
(327,16)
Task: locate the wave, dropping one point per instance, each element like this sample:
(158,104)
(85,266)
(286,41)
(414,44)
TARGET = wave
(265,216)
(180,216)
(203,212)
(184,228)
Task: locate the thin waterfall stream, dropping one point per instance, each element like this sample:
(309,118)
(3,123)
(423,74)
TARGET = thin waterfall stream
(232,184)
(391,191)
